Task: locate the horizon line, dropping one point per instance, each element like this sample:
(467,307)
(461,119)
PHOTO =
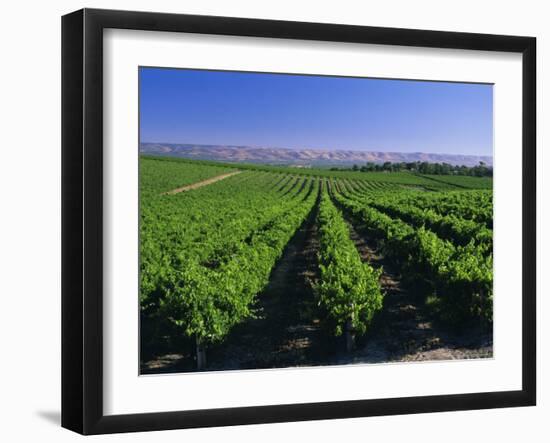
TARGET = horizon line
(315,149)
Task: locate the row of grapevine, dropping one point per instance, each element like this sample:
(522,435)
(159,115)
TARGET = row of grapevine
(177,228)
(449,227)
(348,290)
(470,205)
(461,276)
(385,178)
(461,181)
(201,224)
(474,205)
(210,251)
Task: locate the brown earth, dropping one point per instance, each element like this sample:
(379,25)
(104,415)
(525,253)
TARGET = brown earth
(405,330)
(201,183)
(286,331)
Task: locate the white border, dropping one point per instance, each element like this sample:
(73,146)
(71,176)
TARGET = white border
(125,392)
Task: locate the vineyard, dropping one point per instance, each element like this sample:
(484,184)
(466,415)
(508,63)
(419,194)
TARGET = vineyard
(264,266)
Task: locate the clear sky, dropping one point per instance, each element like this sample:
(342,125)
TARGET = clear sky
(294,111)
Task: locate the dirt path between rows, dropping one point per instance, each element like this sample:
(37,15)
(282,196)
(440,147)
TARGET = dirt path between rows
(404,330)
(285,329)
(200,184)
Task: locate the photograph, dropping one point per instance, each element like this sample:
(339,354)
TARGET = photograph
(301,220)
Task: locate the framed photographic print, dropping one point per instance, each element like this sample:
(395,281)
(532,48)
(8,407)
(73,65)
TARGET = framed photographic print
(269,221)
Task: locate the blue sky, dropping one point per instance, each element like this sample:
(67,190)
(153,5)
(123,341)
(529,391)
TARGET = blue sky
(293,111)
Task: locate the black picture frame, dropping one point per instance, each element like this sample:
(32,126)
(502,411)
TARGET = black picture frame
(82,218)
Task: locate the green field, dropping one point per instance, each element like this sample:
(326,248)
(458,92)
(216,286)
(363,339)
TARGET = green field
(218,260)
(393,178)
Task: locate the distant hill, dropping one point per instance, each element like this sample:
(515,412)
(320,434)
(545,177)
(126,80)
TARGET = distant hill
(302,157)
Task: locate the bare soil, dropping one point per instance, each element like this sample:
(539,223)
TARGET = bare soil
(285,330)
(200,184)
(405,330)
(287,333)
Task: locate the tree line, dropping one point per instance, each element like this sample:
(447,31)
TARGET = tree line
(480,170)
